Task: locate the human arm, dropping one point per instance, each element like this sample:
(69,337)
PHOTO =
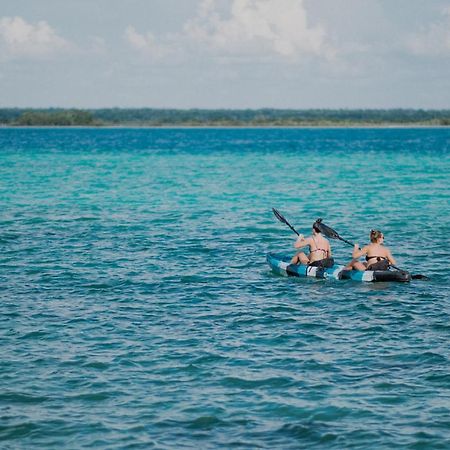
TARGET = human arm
(390,257)
(301,241)
(357,252)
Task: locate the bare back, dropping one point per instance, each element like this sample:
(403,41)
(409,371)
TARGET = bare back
(374,249)
(319,248)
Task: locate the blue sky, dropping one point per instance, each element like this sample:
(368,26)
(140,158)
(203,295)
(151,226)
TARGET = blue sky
(225,53)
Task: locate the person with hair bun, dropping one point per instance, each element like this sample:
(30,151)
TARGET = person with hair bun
(378,257)
(319,249)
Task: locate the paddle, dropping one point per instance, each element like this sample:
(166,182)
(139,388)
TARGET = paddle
(332,234)
(329,232)
(283,220)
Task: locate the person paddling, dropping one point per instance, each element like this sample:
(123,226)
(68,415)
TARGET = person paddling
(319,249)
(378,257)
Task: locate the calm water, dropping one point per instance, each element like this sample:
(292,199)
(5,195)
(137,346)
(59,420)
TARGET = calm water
(137,309)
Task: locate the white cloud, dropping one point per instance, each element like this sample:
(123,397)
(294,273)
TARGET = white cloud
(19,38)
(434,40)
(260,26)
(146,43)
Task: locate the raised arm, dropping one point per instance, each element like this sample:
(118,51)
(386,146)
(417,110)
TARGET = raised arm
(302,241)
(357,252)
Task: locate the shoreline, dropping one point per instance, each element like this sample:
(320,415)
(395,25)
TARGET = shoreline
(234,127)
(223,118)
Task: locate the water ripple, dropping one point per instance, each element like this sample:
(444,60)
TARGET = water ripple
(138,310)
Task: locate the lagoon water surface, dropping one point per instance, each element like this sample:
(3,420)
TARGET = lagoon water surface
(137,309)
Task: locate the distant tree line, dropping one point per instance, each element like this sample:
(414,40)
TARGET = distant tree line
(220,117)
(50,117)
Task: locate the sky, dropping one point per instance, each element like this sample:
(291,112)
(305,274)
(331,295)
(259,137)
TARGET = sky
(295,54)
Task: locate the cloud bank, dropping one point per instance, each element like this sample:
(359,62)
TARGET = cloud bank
(251,28)
(276,26)
(146,43)
(19,38)
(227,53)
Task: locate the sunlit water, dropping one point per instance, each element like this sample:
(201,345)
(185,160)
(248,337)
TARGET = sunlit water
(137,309)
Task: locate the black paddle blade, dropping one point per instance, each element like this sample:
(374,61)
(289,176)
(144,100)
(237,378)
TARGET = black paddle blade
(329,232)
(326,230)
(279,216)
(419,277)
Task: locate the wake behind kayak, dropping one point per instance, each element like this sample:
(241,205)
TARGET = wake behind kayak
(281,264)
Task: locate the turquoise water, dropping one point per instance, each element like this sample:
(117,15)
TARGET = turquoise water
(138,311)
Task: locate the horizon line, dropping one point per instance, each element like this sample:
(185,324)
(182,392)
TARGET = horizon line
(162,108)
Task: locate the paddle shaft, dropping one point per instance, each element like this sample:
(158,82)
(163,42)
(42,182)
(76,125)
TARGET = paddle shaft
(344,240)
(292,228)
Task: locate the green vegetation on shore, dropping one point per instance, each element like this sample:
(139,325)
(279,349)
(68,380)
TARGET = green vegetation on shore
(222,117)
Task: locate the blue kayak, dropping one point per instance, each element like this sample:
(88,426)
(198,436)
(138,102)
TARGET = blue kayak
(281,264)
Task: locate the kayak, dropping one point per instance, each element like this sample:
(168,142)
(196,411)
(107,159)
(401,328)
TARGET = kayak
(281,264)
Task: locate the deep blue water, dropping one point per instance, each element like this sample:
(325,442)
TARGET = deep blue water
(137,309)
